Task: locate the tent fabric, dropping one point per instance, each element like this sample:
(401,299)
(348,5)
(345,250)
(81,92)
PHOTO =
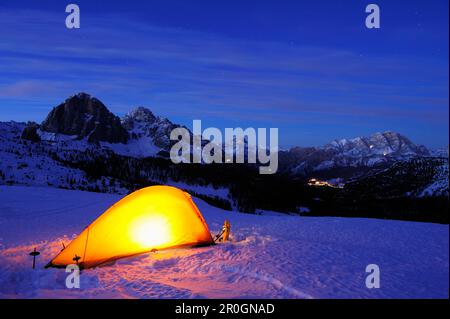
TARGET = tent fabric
(153,218)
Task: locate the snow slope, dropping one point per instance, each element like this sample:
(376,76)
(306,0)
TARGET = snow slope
(439,186)
(269,257)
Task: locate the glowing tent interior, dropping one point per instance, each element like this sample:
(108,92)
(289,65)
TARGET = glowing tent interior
(149,219)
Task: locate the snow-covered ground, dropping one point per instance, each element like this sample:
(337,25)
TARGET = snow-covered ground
(268,257)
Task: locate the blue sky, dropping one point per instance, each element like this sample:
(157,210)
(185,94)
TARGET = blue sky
(310,68)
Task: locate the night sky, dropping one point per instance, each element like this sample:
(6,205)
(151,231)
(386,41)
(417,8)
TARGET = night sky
(310,68)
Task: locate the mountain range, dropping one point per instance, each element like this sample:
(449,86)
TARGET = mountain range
(82,145)
(140,133)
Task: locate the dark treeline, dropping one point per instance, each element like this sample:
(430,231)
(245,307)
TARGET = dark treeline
(249,191)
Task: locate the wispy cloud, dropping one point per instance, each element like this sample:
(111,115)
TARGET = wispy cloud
(174,71)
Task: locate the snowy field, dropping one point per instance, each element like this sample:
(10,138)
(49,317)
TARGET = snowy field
(269,256)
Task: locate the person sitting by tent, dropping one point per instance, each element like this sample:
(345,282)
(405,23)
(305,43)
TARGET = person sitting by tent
(225,233)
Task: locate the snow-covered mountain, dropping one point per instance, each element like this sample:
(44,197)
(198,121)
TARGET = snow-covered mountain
(46,163)
(376,150)
(82,145)
(140,133)
(149,134)
(379,144)
(82,121)
(141,122)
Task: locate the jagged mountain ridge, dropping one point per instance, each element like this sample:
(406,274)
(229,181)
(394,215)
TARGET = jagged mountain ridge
(140,133)
(33,156)
(387,143)
(141,122)
(82,120)
(379,149)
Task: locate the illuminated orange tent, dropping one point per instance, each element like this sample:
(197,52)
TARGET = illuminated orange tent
(150,219)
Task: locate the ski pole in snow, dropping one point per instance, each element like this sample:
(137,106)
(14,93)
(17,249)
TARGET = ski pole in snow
(34,254)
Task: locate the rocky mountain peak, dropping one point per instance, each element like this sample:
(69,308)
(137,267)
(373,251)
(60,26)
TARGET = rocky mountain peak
(84,116)
(141,115)
(375,150)
(377,144)
(142,123)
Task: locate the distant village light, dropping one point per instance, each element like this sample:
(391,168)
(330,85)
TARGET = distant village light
(319,183)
